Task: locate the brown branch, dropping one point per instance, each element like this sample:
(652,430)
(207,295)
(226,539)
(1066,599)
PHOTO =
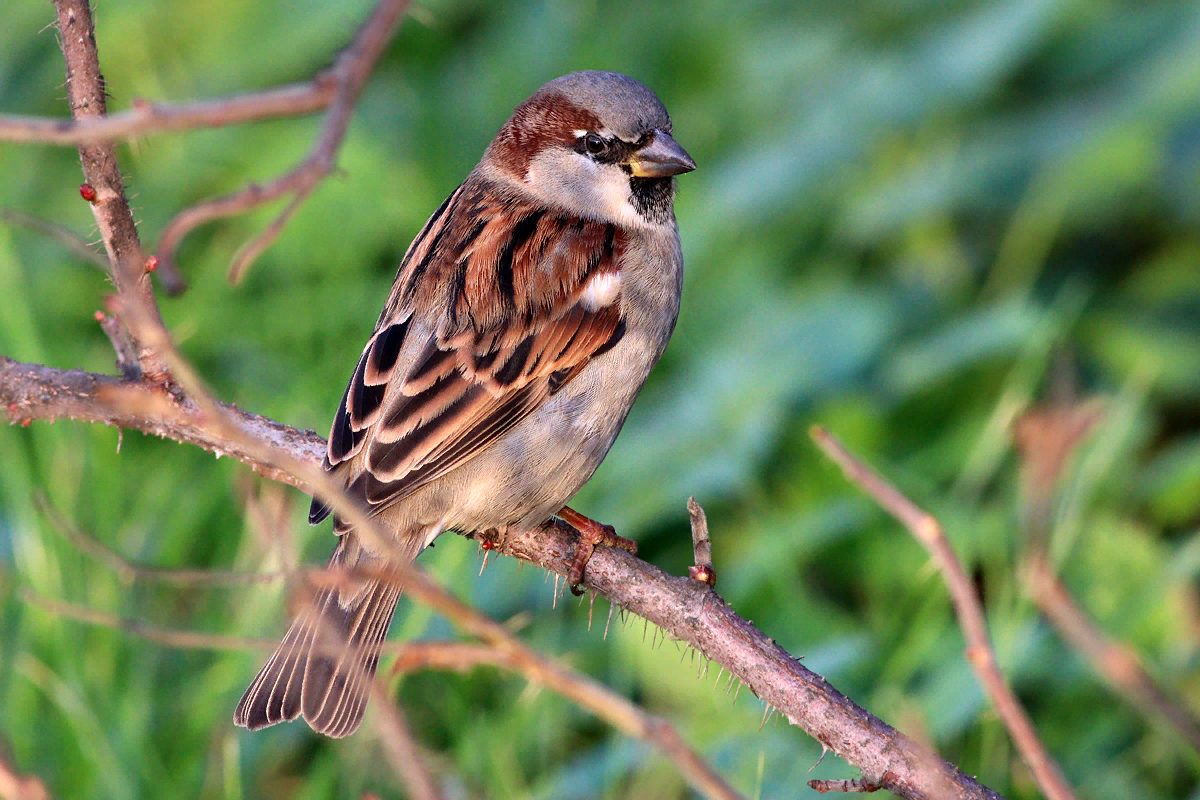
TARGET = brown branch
(86,95)
(1047,438)
(856,785)
(780,680)
(702,568)
(146,118)
(685,609)
(400,747)
(1113,661)
(129,571)
(928,531)
(349,73)
(118,336)
(171,637)
(31,391)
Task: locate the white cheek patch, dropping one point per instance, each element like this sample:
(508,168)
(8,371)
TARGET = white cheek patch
(601,291)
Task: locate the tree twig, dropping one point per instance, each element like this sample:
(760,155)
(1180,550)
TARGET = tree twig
(129,571)
(1113,661)
(717,631)
(145,118)
(855,785)
(708,624)
(61,234)
(349,73)
(400,747)
(1047,438)
(928,531)
(702,568)
(106,188)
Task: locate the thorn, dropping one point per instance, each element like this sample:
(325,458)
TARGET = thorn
(87,192)
(763,721)
(609,620)
(483,565)
(644,623)
(591,608)
(554,599)
(737,691)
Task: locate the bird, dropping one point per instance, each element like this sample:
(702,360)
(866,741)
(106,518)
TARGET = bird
(524,319)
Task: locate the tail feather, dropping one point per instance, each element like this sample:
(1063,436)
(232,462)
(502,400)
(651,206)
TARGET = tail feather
(323,667)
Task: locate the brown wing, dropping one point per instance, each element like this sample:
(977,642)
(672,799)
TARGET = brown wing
(517,310)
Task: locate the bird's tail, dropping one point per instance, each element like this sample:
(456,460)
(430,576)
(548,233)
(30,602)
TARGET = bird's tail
(324,666)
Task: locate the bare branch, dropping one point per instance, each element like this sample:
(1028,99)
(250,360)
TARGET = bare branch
(86,94)
(1113,661)
(30,391)
(702,569)
(687,610)
(129,571)
(146,118)
(349,73)
(854,785)
(928,531)
(400,747)
(64,236)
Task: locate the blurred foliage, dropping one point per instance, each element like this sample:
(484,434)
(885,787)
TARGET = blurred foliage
(902,212)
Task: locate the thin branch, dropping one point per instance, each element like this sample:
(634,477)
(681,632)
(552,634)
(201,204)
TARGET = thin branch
(448,656)
(928,531)
(130,571)
(145,118)
(31,391)
(1113,661)
(171,637)
(59,233)
(686,609)
(713,628)
(349,73)
(400,747)
(1047,438)
(86,95)
(702,568)
(118,336)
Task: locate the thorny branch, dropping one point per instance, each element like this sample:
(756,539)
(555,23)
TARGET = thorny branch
(686,609)
(105,188)
(928,531)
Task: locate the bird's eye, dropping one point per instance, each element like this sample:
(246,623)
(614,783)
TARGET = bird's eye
(594,144)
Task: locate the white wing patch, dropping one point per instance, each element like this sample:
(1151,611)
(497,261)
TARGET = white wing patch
(600,291)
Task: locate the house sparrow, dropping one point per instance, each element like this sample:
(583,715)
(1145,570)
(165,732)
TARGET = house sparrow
(524,320)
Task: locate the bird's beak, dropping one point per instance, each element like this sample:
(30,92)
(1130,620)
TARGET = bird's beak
(662,157)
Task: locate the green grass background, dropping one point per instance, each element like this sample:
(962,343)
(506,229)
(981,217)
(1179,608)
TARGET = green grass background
(901,211)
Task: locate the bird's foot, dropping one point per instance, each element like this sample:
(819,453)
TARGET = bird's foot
(591,534)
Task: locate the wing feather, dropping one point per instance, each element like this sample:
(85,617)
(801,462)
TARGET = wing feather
(497,288)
